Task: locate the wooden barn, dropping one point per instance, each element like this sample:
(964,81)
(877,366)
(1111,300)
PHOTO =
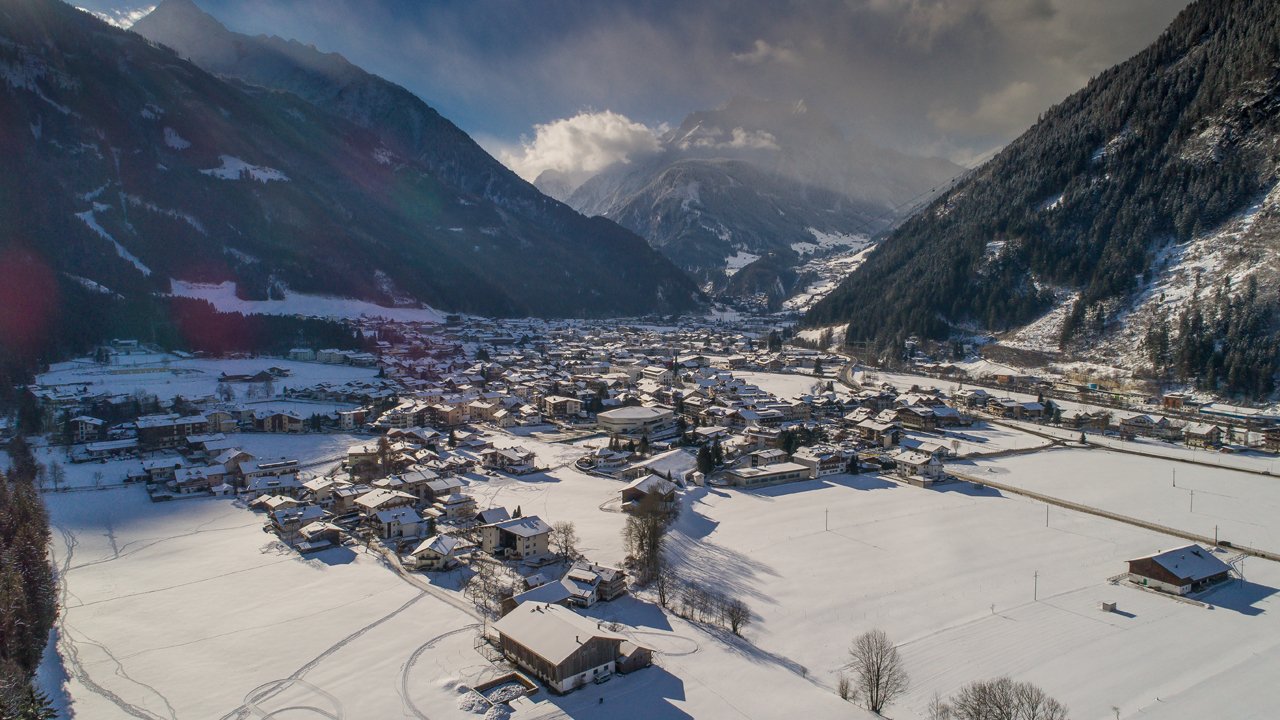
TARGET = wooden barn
(1179,571)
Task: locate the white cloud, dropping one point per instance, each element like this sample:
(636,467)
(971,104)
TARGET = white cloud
(762,52)
(123,17)
(581,146)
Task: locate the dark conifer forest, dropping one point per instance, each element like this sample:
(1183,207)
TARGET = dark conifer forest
(1155,151)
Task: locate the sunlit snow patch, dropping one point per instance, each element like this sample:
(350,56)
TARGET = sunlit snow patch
(176,141)
(233,168)
(737,261)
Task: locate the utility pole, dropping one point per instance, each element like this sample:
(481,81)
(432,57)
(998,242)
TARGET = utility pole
(1035,592)
(826,519)
(1175,477)
(1193,501)
(1046,516)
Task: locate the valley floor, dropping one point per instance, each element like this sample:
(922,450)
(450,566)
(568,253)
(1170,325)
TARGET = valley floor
(187,609)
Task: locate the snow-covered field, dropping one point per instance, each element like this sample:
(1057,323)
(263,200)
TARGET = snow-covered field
(786,385)
(982,439)
(971,584)
(183,609)
(223,297)
(815,334)
(1244,506)
(166,376)
(951,575)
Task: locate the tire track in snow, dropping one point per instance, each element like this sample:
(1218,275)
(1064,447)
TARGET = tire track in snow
(271,689)
(71,653)
(408,667)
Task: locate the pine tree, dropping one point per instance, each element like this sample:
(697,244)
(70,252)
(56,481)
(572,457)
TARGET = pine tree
(705,462)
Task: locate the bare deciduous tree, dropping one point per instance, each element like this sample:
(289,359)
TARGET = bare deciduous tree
(844,687)
(663,583)
(643,535)
(737,614)
(937,709)
(564,538)
(483,586)
(1003,698)
(878,670)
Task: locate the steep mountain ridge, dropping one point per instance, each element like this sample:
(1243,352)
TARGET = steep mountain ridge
(1079,215)
(756,178)
(129,166)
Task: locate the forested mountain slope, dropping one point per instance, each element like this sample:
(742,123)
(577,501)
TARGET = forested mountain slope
(127,166)
(1086,209)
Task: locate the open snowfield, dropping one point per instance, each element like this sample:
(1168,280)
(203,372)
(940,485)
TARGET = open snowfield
(786,386)
(166,376)
(182,609)
(948,573)
(981,439)
(223,297)
(308,448)
(1245,507)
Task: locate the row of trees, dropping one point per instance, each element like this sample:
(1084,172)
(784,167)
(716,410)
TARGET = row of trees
(28,600)
(695,602)
(878,676)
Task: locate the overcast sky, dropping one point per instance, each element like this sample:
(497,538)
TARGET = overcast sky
(530,79)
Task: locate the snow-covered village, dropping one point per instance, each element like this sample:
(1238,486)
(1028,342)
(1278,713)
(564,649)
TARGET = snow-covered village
(502,360)
(577,519)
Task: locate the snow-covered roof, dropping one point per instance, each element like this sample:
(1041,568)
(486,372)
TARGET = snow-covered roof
(380,497)
(635,413)
(402,515)
(911,457)
(525,526)
(651,484)
(443,545)
(552,632)
(1189,562)
(493,515)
